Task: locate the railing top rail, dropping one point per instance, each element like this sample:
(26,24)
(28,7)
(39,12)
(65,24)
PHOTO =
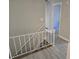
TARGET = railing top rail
(25,34)
(32,33)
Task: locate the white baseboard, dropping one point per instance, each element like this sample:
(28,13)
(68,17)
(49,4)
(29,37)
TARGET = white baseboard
(62,37)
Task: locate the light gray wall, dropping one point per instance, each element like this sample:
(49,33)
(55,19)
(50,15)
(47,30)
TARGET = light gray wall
(65,19)
(25,16)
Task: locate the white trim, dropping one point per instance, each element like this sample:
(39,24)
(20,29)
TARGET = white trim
(68,51)
(46,15)
(54,37)
(64,38)
(60,18)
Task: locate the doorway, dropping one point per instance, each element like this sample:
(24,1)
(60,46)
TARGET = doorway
(56,16)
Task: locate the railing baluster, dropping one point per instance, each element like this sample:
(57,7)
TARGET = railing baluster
(25,44)
(10,53)
(48,36)
(33,41)
(45,37)
(39,39)
(42,38)
(53,37)
(15,46)
(29,43)
(20,44)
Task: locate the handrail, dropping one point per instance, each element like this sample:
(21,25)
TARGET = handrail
(24,34)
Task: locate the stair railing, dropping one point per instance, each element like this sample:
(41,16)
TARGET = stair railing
(38,39)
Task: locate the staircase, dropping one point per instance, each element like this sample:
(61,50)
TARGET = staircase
(30,43)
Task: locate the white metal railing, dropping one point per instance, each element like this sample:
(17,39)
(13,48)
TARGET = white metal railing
(23,44)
